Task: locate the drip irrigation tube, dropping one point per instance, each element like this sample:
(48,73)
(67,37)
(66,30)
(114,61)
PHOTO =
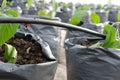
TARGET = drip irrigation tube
(49,22)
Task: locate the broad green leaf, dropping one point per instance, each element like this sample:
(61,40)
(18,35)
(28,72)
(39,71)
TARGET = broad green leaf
(119,17)
(10,53)
(95,18)
(29,3)
(110,36)
(106,28)
(115,44)
(111,41)
(55,5)
(3,4)
(75,20)
(79,14)
(44,14)
(111,32)
(11,12)
(7,30)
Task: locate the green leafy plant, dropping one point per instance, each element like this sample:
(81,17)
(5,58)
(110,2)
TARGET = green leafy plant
(44,13)
(3,4)
(67,5)
(78,15)
(99,6)
(29,3)
(55,5)
(7,31)
(112,39)
(10,53)
(95,18)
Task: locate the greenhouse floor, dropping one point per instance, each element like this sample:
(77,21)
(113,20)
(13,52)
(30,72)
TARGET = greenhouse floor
(61,73)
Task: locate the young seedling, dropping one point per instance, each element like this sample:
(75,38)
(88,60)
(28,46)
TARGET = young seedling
(28,50)
(79,14)
(45,13)
(112,39)
(29,3)
(10,53)
(95,18)
(99,6)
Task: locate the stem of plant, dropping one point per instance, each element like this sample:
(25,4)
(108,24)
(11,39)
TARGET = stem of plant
(28,50)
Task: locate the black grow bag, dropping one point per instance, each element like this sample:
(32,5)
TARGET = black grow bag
(103,16)
(84,63)
(113,16)
(48,33)
(40,71)
(86,19)
(64,15)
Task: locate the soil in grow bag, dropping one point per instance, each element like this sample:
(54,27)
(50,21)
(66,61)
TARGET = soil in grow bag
(87,44)
(89,41)
(32,56)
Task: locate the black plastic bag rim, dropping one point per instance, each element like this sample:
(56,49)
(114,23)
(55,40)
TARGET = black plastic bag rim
(50,22)
(44,63)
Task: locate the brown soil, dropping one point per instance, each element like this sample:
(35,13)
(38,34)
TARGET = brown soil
(87,44)
(34,56)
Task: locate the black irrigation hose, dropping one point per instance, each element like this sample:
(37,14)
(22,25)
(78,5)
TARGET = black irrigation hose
(49,22)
